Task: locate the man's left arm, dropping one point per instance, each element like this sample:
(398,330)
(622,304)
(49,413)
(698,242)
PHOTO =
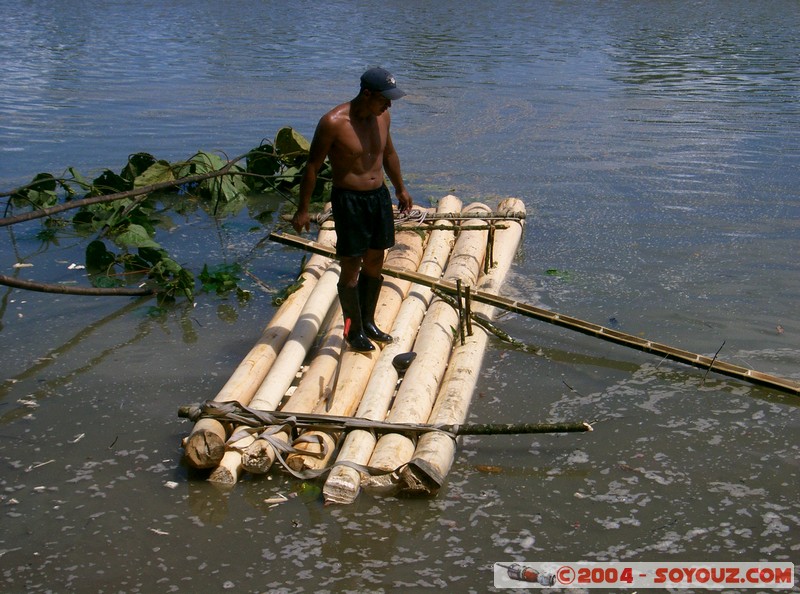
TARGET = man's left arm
(391,165)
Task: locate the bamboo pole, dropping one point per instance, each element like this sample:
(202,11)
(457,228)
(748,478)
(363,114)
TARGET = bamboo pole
(434,454)
(205,445)
(417,392)
(629,340)
(356,368)
(284,370)
(344,482)
(418,214)
(258,457)
(262,419)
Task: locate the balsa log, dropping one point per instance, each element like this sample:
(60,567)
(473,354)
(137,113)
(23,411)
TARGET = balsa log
(205,446)
(356,368)
(433,345)
(285,368)
(344,482)
(435,452)
(280,377)
(314,387)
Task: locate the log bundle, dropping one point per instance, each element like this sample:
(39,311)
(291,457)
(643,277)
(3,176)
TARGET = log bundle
(301,365)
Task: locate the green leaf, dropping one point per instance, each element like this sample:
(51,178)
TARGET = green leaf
(169,266)
(109,182)
(137,164)
(105,282)
(289,140)
(79,179)
(263,160)
(564,274)
(205,162)
(279,299)
(98,258)
(158,172)
(41,193)
(136,236)
(308,491)
(151,255)
(172,279)
(264,163)
(222,278)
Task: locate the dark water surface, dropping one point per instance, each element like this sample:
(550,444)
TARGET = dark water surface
(657,148)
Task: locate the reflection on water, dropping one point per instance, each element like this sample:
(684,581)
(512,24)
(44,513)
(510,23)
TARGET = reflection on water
(655,146)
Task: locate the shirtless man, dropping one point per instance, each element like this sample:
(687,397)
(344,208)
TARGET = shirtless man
(355,137)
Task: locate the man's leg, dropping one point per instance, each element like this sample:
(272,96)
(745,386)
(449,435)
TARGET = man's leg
(369,288)
(351,265)
(373,262)
(351,308)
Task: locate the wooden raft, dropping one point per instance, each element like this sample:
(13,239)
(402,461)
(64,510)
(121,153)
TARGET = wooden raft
(301,364)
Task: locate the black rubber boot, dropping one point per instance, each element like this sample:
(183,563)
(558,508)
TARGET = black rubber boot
(369,289)
(353,328)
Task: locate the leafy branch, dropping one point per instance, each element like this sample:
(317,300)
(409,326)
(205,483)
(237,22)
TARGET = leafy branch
(118,213)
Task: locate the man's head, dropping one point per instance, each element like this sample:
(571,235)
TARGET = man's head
(381,81)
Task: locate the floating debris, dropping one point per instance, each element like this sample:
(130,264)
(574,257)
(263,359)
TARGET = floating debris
(277,499)
(159,532)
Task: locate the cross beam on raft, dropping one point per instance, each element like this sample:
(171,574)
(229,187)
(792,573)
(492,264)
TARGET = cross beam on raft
(419,215)
(601,332)
(237,413)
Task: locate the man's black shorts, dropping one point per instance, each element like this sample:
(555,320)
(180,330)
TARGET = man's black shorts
(363,220)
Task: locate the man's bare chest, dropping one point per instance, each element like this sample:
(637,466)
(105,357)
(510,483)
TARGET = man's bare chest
(360,140)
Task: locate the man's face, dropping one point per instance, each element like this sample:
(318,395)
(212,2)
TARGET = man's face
(377,102)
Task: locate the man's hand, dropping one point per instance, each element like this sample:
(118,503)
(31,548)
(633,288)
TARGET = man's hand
(301,221)
(405,201)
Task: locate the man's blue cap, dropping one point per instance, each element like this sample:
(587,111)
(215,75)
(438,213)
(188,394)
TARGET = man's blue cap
(381,81)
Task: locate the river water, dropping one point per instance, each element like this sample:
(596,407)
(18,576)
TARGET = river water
(657,148)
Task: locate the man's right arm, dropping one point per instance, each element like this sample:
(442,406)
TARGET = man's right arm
(320,146)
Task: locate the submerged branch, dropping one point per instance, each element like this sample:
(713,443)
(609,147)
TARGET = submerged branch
(65,290)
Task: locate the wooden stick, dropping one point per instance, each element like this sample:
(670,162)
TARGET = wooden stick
(468,309)
(484,323)
(46,212)
(258,457)
(461,320)
(284,369)
(428,227)
(488,261)
(571,323)
(17,283)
